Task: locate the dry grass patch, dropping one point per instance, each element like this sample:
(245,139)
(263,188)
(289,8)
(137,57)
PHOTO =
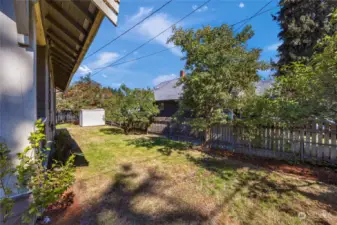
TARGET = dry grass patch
(151,180)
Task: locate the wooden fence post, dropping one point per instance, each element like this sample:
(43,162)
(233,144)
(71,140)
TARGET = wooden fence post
(302,149)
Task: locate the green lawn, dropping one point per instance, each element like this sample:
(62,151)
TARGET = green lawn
(140,179)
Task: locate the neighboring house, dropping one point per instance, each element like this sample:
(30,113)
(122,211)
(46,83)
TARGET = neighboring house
(42,43)
(167,94)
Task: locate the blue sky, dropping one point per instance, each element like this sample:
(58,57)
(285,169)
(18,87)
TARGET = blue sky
(153,70)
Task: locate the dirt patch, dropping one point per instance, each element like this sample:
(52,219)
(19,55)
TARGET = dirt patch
(323,174)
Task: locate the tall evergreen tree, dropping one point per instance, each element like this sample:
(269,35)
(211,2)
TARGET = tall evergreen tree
(303,24)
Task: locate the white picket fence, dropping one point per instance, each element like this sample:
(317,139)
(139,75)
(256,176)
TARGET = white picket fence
(316,141)
(313,142)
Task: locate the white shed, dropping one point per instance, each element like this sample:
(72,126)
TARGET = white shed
(92,117)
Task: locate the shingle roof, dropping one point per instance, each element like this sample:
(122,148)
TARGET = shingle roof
(169,90)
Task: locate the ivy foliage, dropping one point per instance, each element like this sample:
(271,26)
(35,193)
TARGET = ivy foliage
(6,171)
(132,107)
(46,185)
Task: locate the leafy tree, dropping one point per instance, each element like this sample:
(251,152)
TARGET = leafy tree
(220,68)
(310,91)
(84,94)
(131,107)
(303,24)
(307,92)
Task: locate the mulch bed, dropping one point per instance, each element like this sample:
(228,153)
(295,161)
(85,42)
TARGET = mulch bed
(66,211)
(326,174)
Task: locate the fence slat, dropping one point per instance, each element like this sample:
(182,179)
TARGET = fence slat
(333,147)
(320,140)
(326,149)
(316,140)
(307,145)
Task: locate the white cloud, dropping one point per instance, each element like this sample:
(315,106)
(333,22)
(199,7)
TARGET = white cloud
(202,9)
(105,58)
(152,26)
(272,47)
(241,5)
(163,78)
(84,70)
(142,12)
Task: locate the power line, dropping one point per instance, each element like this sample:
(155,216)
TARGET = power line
(263,12)
(155,53)
(255,14)
(145,43)
(142,57)
(128,30)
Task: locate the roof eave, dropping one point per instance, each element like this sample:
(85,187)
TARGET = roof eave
(92,33)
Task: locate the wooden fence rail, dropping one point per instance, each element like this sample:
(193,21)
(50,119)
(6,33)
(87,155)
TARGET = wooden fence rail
(313,142)
(66,117)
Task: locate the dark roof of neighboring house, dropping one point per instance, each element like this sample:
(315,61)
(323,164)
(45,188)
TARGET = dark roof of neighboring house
(169,90)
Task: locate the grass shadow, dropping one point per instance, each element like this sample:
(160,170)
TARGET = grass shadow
(117,205)
(111,131)
(164,146)
(65,146)
(264,186)
(117,130)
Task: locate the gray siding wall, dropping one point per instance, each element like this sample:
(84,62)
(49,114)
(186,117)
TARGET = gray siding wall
(21,100)
(17,83)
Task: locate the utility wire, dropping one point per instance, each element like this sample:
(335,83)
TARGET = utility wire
(142,57)
(145,43)
(263,12)
(128,30)
(155,53)
(255,14)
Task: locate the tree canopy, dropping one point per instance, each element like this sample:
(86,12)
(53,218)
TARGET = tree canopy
(132,107)
(84,94)
(308,91)
(220,68)
(303,24)
(311,88)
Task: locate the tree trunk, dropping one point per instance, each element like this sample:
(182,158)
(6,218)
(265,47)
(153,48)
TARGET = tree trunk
(206,143)
(126,129)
